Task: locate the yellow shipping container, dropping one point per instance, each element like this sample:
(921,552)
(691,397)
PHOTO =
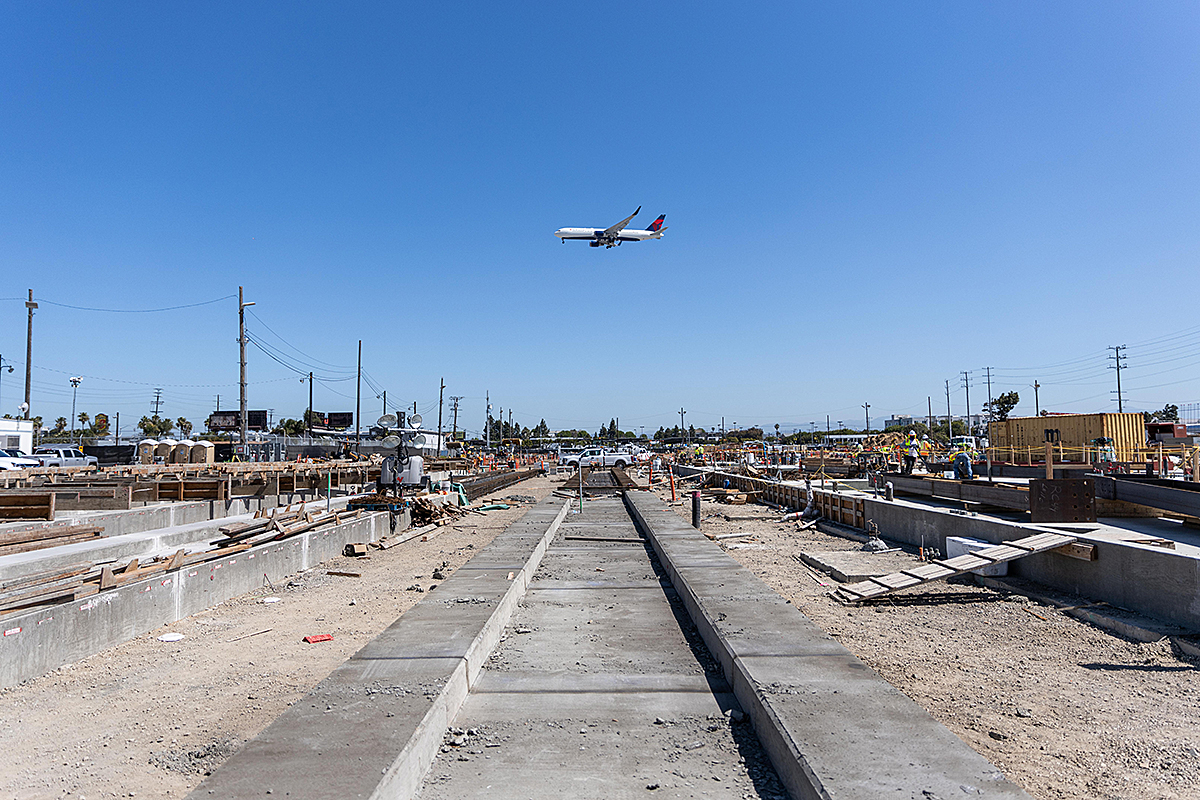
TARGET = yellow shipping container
(1022,439)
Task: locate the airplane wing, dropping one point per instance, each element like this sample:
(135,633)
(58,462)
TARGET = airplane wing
(620,225)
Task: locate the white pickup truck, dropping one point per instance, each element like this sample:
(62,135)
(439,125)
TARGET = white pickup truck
(64,457)
(599,457)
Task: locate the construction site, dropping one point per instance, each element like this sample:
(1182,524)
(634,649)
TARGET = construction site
(476,401)
(687,626)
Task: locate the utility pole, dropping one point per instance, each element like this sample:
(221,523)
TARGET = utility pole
(1118,358)
(682,431)
(949,426)
(867,408)
(30,305)
(966,382)
(385,402)
(487,421)
(441,395)
(1037,411)
(218,402)
(157,401)
(454,425)
(242,306)
(989,408)
(117,431)
(308,416)
(827,430)
(358,405)
(930,399)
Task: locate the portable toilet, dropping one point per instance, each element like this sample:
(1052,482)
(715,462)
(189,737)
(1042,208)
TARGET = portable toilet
(204,452)
(145,451)
(181,453)
(162,453)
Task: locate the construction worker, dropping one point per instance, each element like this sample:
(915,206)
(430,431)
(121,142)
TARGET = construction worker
(963,469)
(912,451)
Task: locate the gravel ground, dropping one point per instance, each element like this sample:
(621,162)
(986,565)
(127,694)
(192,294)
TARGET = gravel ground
(1065,709)
(150,718)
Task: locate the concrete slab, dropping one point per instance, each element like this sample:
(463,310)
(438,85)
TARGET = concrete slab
(857,565)
(373,726)
(832,727)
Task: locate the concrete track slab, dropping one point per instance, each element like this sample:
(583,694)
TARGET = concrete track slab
(600,689)
(832,727)
(371,728)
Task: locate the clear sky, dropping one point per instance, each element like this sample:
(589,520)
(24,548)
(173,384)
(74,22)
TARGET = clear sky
(864,200)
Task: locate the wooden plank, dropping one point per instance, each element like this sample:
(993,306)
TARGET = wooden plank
(49,532)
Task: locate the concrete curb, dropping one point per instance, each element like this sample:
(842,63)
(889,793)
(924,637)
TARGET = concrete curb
(831,726)
(373,727)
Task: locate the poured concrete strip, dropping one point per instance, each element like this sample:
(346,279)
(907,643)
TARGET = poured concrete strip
(832,727)
(372,728)
(39,640)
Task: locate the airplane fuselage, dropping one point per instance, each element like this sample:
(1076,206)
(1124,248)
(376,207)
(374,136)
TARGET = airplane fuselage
(597,234)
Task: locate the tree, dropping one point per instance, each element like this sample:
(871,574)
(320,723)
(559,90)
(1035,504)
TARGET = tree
(1168,413)
(185,427)
(1002,406)
(84,419)
(60,425)
(155,426)
(290,427)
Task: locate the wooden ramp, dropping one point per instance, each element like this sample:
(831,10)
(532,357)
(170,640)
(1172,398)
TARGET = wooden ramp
(939,569)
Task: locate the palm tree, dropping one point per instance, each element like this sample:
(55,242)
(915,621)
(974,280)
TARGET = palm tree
(185,427)
(60,425)
(83,420)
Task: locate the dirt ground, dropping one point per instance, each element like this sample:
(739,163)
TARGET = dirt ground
(1065,709)
(151,718)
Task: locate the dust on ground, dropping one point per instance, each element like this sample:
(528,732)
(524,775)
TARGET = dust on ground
(151,719)
(1065,709)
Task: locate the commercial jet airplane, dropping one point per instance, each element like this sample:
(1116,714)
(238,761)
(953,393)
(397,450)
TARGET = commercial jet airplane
(611,237)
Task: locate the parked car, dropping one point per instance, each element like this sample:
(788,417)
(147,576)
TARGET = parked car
(15,459)
(64,457)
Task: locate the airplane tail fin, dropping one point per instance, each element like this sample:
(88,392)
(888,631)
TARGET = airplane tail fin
(657,224)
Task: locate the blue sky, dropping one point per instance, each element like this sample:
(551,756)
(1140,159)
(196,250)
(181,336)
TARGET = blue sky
(863,201)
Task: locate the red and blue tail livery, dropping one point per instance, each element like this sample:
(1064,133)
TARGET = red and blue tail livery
(616,234)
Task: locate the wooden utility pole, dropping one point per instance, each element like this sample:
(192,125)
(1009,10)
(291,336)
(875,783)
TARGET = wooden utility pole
(454,424)
(1037,410)
(358,404)
(242,305)
(308,417)
(30,305)
(441,395)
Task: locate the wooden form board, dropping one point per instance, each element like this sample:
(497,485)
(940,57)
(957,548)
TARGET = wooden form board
(948,568)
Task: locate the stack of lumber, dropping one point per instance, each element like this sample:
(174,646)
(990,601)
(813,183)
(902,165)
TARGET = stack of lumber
(281,524)
(50,536)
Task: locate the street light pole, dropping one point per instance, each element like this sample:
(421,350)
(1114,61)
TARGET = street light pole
(10,369)
(74,387)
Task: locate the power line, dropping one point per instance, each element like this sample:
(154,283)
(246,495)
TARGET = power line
(135,310)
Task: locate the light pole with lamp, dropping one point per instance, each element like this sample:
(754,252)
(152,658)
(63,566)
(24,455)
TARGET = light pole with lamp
(74,386)
(2,368)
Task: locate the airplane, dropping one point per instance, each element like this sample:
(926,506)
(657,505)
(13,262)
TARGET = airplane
(613,236)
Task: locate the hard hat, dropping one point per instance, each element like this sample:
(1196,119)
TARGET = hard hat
(912,433)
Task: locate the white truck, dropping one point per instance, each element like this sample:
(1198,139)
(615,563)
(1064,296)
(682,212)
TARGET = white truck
(599,457)
(64,457)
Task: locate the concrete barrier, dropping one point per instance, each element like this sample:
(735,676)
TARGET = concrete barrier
(1155,581)
(372,728)
(37,641)
(832,727)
